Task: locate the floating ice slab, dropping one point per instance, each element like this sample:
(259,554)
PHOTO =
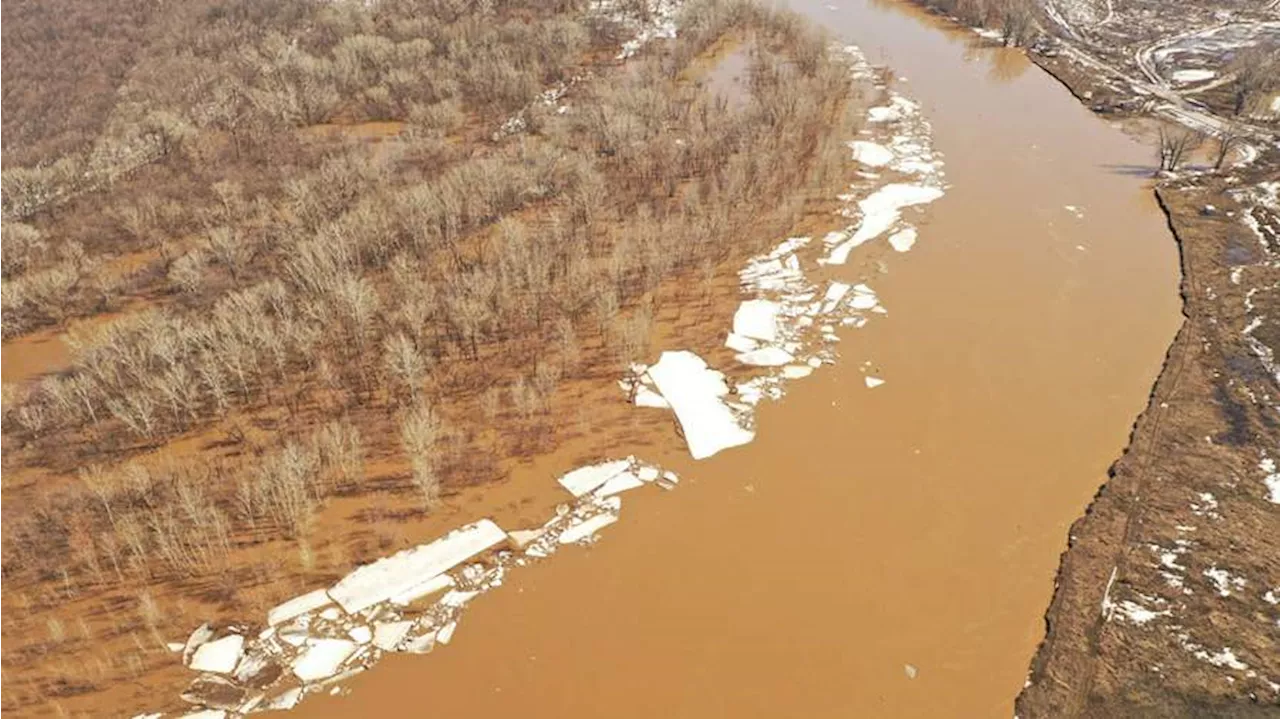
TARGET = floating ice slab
(757,319)
(864,298)
(873,382)
(394,575)
(206,714)
(297,606)
(360,634)
(796,371)
(388,635)
(322,658)
(445,635)
(585,480)
(835,292)
(587,527)
(871,154)
(766,357)
(619,483)
(695,393)
(882,114)
(903,240)
(738,343)
(646,397)
(202,634)
(422,589)
(220,656)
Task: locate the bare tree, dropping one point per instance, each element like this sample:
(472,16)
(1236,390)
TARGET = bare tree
(420,432)
(230,250)
(1175,145)
(404,365)
(1017,20)
(1228,138)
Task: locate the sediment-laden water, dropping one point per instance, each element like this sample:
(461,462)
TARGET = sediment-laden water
(885,544)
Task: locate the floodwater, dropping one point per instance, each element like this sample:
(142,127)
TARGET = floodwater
(867,529)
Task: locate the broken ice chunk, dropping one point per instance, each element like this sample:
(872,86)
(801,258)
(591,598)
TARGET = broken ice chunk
(422,589)
(872,381)
(322,658)
(308,602)
(870,154)
(387,635)
(360,634)
(766,357)
(391,576)
(738,343)
(757,319)
(619,483)
(456,598)
(646,397)
(220,656)
(585,480)
(903,240)
(206,714)
(864,298)
(587,527)
(695,393)
(287,699)
(445,635)
(202,634)
(796,371)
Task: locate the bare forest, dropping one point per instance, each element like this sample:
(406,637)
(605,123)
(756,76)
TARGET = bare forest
(308,253)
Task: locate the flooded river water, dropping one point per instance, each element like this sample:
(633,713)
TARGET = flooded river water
(918,523)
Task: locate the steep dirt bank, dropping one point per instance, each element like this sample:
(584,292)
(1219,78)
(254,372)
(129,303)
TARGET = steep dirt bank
(1165,602)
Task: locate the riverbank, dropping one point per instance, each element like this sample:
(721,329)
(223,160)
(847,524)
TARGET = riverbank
(1165,601)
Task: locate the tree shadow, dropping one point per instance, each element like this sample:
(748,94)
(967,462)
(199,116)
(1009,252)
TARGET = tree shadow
(1146,171)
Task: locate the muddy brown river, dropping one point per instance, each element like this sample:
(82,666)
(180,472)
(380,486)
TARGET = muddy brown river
(918,523)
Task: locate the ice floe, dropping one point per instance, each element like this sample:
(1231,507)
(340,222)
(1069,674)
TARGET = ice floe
(298,605)
(871,154)
(696,394)
(321,658)
(390,576)
(219,656)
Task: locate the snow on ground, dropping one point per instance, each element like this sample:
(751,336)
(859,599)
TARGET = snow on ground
(1270,478)
(1189,76)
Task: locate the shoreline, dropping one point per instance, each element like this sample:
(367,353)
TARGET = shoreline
(779,335)
(1097,540)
